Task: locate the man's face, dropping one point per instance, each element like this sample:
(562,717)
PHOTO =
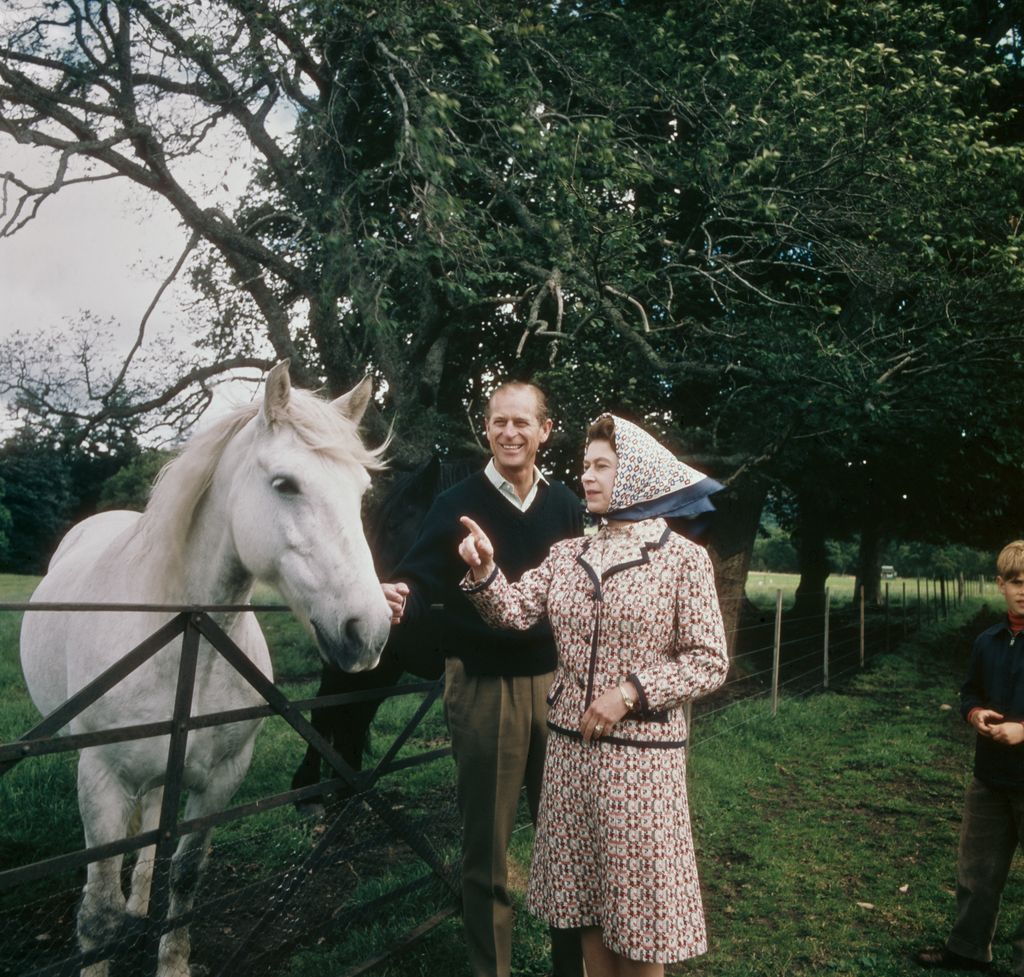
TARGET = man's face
(1012,589)
(513,430)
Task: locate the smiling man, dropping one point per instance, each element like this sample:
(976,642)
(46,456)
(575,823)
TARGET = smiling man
(496,682)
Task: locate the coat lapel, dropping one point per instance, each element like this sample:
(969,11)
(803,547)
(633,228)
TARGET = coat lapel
(647,535)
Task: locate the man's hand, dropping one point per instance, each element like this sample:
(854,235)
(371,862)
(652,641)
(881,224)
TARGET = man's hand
(395,594)
(476,550)
(986,721)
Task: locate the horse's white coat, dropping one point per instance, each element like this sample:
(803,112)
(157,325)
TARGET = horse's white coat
(270,493)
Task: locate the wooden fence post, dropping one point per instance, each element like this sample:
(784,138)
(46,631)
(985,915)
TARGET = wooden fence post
(904,608)
(862,625)
(886,615)
(825,649)
(777,654)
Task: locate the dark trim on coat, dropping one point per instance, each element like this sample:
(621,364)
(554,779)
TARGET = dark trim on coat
(575,734)
(483,584)
(595,639)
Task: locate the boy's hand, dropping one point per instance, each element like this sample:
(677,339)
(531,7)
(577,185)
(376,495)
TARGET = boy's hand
(1010,733)
(986,721)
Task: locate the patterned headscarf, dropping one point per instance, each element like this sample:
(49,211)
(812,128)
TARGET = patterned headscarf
(650,481)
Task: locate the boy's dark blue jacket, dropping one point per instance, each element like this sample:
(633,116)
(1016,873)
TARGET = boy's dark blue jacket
(995,680)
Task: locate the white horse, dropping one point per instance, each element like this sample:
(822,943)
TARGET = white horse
(270,493)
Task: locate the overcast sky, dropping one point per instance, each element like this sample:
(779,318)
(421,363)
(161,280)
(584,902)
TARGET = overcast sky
(99,248)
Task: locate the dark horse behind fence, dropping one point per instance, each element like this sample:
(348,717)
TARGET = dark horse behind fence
(391,529)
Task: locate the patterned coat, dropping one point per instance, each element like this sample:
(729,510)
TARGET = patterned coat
(613,846)
(649,614)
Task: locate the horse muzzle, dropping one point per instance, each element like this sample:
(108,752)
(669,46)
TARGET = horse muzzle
(356,646)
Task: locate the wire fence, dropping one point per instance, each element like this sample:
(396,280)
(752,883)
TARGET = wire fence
(780,652)
(279,884)
(266,897)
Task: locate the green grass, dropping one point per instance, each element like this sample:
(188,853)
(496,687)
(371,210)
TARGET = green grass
(826,836)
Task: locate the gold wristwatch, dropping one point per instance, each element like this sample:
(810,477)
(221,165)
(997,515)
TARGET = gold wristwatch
(627,699)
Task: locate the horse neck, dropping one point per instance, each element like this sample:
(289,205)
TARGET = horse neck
(213,572)
(193,561)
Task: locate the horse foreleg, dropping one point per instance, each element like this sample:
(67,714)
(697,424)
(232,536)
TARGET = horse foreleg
(190,858)
(142,874)
(105,806)
(186,867)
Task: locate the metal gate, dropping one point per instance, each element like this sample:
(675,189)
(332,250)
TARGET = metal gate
(363,816)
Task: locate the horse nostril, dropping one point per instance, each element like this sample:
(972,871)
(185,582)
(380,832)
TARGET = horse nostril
(354,631)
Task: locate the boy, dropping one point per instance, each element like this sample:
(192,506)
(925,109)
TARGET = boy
(992,701)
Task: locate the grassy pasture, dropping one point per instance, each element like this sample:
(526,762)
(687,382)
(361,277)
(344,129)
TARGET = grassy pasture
(761,588)
(826,836)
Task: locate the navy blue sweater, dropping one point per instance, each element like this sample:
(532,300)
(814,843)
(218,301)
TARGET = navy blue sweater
(433,569)
(995,680)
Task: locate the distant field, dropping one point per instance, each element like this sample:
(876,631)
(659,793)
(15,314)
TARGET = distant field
(762,587)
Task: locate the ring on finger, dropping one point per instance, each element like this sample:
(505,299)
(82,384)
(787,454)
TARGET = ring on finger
(599,729)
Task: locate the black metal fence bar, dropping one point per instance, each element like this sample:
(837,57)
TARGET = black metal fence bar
(160,897)
(194,622)
(103,683)
(295,719)
(59,864)
(24,748)
(141,608)
(386,761)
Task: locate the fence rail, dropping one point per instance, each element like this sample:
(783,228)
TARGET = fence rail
(191,624)
(784,655)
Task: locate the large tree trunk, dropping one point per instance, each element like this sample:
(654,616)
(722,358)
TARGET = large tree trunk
(809,538)
(730,545)
(869,568)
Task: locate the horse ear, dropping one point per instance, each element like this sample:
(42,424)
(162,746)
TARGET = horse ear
(353,404)
(276,392)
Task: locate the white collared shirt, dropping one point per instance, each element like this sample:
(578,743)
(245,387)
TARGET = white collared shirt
(507,489)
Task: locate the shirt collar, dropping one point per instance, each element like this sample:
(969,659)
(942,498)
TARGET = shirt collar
(507,489)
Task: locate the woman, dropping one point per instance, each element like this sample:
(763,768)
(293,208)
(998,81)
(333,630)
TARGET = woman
(639,633)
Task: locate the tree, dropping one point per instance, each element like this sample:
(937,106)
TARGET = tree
(796,220)
(6,522)
(38,495)
(129,487)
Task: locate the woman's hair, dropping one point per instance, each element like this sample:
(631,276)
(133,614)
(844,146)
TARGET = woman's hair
(603,429)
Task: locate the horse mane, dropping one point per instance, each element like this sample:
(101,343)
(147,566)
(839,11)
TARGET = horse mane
(183,482)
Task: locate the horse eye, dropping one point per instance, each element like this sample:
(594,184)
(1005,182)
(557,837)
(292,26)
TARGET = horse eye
(285,486)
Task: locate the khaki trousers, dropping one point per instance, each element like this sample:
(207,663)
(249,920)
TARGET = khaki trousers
(498,731)
(991,830)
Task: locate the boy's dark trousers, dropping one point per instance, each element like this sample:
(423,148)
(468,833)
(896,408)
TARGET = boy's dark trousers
(992,828)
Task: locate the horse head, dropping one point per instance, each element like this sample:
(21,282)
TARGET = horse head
(295,504)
